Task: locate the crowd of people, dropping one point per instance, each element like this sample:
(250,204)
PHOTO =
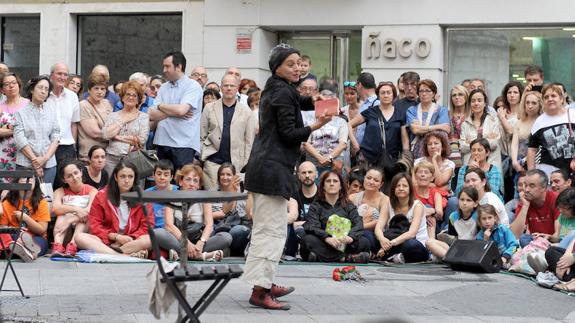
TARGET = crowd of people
(398,175)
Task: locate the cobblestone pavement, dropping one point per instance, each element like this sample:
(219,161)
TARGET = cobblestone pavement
(74,292)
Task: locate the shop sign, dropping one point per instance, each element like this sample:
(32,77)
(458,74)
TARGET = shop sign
(243,41)
(391,48)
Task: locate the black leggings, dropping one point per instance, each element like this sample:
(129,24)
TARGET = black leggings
(552,255)
(326,253)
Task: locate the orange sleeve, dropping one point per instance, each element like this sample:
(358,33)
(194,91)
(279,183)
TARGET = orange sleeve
(42,214)
(4,217)
(7,217)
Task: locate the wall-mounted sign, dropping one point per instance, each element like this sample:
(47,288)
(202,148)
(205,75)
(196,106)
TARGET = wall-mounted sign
(243,41)
(391,48)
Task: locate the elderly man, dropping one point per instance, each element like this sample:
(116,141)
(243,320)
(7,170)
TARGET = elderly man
(537,211)
(227,133)
(200,74)
(67,106)
(178,110)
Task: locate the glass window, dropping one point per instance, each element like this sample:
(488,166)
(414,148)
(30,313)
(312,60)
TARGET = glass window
(20,44)
(127,43)
(500,55)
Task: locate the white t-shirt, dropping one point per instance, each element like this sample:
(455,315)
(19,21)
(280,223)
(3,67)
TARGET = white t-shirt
(67,108)
(422,234)
(123,214)
(491,198)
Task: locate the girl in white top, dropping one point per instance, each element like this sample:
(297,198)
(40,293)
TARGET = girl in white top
(408,246)
(475,177)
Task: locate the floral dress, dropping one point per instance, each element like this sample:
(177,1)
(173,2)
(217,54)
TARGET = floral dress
(7,144)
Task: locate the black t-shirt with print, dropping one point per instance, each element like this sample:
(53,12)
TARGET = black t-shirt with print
(552,134)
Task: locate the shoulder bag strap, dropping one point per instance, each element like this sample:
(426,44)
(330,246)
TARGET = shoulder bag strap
(569,123)
(97,112)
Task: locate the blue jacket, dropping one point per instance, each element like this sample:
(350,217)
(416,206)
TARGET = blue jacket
(504,238)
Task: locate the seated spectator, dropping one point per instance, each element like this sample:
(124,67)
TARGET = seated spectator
(231,216)
(425,117)
(491,229)
(201,244)
(434,199)
(480,152)
(566,222)
(163,175)
(561,261)
(560,180)
(94,111)
(355,182)
(115,225)
(537,211)
(94,173)
(462,224)
(127,128)
(370,203)
(511,206)
(71,205)
(35,215)
(480,123)
(319,245)
(436,150)
(475,177)
(408,246)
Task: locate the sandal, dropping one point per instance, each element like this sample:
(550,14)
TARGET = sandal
(217,256)
(567,286)
(142,254)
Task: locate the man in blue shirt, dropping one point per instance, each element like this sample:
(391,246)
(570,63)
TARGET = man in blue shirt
(366,89)
(178,110)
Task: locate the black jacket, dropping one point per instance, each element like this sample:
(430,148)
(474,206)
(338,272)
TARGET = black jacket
(276,148)
(320,211)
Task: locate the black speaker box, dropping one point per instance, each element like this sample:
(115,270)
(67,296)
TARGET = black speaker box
(474,255)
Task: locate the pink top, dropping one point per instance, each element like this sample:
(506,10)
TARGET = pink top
(7,145)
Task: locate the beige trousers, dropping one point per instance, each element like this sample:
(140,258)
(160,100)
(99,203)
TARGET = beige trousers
(210,178)
(269,232)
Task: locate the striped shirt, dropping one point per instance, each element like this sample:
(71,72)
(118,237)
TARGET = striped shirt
(36,127)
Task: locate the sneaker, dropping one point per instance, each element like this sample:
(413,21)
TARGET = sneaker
(22,252)
(58,250)
(435,260)
(279,291)
(27,240)
(547,279)
(264,299)
(398,258)
(71,249)
(537,262)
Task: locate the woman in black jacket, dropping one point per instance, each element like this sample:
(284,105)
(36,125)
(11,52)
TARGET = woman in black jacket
(269,173)
(318,244)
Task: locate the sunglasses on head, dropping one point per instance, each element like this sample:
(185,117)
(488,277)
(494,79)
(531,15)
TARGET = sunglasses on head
(348,84)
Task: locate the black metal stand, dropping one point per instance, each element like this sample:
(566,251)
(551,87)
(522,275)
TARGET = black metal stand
(8,252)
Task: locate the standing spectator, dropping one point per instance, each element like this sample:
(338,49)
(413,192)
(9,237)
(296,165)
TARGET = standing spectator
(200,75)
(530,109)
(509,114)
(246,85)
(178,110)
(226,133)
(305,66)
(67,107)
(534,77)
(210,95)
(10,84)
(352,100)
(551,132)
(410,82)
(148,101)
(37,131)
(110,95)
(75,84)
(155,84)
(127,128)
(367,92)
(458,100)
(426,116)
(480,123)
(94,112)
(269,174)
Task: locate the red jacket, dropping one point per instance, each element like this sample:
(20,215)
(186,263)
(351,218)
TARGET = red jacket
(103,219)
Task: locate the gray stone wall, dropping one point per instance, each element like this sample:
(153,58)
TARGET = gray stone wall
(21,45)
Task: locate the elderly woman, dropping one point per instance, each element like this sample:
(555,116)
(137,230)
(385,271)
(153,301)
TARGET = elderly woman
(11,86)
(94,112)
(128,128)
(425,117)
(321,245)
(37,131)
(480,123)
(75,84)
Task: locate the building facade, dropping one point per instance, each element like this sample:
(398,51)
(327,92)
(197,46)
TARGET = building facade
(447,41)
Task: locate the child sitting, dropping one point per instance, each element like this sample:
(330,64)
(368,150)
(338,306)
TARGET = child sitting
(490,229)
(462,223)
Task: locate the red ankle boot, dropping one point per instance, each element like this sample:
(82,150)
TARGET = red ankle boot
(279,291)
(264,298)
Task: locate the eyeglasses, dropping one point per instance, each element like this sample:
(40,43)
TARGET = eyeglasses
(231,86)
(348,84)
(9,83)
(425,91)
(196,74)
(193,180)
(131,95)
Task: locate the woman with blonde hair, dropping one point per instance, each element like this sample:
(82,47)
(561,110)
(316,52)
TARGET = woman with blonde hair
(530,108)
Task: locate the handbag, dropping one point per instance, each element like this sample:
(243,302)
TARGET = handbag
(144,160)
(398,225)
